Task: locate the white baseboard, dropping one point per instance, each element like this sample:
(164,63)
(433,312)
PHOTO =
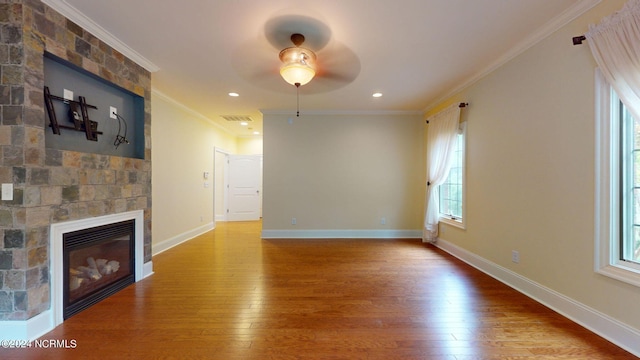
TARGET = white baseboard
(179,239)
(609,328)
(341,234)
(27,330)
(147,270)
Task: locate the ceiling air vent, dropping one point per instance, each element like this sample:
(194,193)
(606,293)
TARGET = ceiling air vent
(237,118)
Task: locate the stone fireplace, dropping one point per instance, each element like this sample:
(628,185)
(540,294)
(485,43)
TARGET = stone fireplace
(54,186)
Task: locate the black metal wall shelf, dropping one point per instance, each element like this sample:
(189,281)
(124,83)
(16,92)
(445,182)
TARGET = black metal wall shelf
(78,115)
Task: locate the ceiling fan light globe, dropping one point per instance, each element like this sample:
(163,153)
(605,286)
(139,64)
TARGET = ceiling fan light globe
(297,73)
(298,65)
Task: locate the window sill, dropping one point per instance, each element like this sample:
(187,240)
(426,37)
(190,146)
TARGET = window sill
(622,273)
(453,222)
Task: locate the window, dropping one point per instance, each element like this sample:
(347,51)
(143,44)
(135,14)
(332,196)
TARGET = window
(451,192)
(617,187)
(630,186)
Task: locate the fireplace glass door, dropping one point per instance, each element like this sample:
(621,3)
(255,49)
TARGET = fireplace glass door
(98,262)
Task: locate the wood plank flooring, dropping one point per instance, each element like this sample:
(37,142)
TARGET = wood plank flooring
(229,295)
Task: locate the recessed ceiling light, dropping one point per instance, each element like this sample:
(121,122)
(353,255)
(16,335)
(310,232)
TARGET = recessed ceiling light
(244,123)
(233,94)
(378,94)
(256,133)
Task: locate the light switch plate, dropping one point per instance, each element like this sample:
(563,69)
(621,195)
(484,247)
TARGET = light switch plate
(7,191)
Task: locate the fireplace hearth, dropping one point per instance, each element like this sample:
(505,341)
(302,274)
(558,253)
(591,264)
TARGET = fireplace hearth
(98,262)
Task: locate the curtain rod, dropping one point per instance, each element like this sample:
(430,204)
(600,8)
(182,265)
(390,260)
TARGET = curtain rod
(461,105)
(577,40)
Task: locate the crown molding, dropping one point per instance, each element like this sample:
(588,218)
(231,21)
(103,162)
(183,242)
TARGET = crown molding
(546,30)
(196,114)
(98,31)
(189,110)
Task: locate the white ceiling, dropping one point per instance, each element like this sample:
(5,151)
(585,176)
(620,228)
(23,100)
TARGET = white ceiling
(413,51)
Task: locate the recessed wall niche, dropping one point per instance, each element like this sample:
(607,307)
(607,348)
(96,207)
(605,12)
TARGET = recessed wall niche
(61,75)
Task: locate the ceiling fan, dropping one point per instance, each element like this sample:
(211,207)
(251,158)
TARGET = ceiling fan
(288,40)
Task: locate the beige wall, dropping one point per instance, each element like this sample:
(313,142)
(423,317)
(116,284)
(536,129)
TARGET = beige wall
(530,171)
(184,146)
(336,172)
(249,145)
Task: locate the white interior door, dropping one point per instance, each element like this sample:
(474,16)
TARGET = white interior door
(245,186)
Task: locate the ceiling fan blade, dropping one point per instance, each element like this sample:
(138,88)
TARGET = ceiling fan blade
(343,77)
(338,63)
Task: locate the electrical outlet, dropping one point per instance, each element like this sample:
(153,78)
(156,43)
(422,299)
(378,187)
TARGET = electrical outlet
(112,112)
(383,221)
(515,256)
(67,94)
(293,221)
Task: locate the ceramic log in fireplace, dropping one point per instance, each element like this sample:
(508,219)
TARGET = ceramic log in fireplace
(97,263)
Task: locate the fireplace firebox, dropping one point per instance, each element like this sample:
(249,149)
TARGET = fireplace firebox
(97,262)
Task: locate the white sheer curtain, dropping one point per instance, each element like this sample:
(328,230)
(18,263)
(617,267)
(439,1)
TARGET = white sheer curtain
(441,139)
(615,45)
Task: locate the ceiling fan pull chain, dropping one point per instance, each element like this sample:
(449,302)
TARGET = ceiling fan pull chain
(297,99)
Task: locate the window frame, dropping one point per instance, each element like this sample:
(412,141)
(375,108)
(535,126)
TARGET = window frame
(447,218)
(608,211)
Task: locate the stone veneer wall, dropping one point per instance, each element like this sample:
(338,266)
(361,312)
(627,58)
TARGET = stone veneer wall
(52,186)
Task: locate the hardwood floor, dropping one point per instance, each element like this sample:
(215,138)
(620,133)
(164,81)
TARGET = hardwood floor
(230,295)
